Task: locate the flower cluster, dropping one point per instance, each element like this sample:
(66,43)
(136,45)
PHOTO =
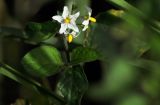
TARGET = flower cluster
(68,23)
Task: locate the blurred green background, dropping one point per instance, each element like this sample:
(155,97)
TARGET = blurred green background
(129,72)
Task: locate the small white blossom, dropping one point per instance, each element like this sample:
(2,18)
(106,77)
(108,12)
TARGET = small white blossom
(67,20)
(87,19)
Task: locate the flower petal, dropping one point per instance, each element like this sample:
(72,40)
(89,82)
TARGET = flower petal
(74,34)
(63,28)
(85,22)
(89,13)
(73,27)
(75,16)
(65,13)
(85,28)
(58,18)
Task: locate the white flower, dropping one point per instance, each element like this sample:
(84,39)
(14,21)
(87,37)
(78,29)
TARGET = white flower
(67,20)
(87,19)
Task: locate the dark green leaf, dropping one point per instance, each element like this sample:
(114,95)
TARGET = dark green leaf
(72,85)
(12,32)
(136,12)
(41,31)
(103,32)
(16,76)
(83,54)
(43,61)
(107,18)
(26,81)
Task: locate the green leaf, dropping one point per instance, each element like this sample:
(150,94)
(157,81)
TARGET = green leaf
(41,31)
(72,85)
(83,54)
(16,76)
(26,81)
(42,61)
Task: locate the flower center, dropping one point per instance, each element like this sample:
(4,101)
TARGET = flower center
(67,20)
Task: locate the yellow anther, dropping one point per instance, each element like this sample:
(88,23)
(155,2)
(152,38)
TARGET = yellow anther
(69,38)
(67,20)
(92,19)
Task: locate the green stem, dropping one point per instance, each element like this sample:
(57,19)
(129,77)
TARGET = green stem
(46,83)
(66,48)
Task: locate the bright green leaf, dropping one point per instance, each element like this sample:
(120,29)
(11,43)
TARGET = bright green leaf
(83,54)
(72,85)
(43,61)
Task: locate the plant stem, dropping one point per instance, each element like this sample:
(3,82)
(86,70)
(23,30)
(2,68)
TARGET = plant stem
(66,48)
(46,83)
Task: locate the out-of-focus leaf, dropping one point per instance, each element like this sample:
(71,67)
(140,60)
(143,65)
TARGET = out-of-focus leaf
(12,32)
(20,102)
(27,81)
(133,99)
(100,36)
(41,31)
(80,5)
(72,85)
(155,46)
(101,40)
(117,13)
(116,81)
(125,5)
(151,86)
(108,18)
(83,54)
(111,36)
(42,61)
(136,12)
(120,76)
(133,21)
(8,72)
